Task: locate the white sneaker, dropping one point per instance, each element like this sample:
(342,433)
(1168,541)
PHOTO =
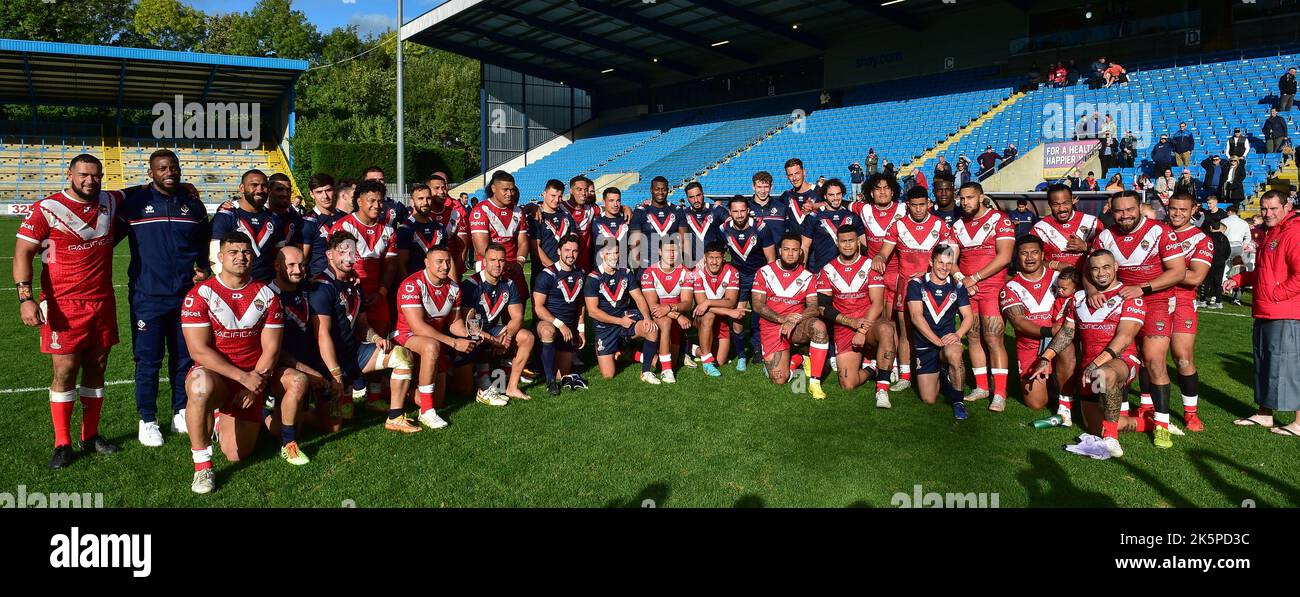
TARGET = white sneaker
(834,365)
(998,404)
(977,394)
(687,361)
(667,376)
(1112,445)
(900,385)
(178,423)
(490,397)
(882,399)
(649,377)
(150,436)
(204,481)
(430,419)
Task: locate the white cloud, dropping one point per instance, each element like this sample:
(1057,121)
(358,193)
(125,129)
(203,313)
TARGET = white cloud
(372,24)
(349,1)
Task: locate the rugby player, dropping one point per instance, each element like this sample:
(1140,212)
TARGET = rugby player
(559,313)
(430,326)
(1198,251)
(701,216)
(610,225)
(268,232)
(717,293)
(878,214)
(421,232)
(785,297)
(772,213)
(451,215)
(667,288)
(377,265)
(500,309)
(821,227)
(1066,232)
(802,197)
(581,207)
(986,237)
(852,298)
(549,225)
(750,248)
(391,211)
(654,221)
(616,302)
(934,301)
(499,220)
(299,351)
(316,225)
(1029,304)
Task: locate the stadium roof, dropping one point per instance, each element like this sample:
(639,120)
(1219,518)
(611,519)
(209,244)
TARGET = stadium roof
(49,73)
(621,43)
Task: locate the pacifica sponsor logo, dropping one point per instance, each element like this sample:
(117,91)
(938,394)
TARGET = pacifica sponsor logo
(130,551)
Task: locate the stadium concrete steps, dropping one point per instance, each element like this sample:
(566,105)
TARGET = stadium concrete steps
(749,146)
(114,173)
(1280,180)
(620,180)
(979,121)
(276,159)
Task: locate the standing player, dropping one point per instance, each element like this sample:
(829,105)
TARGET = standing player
(933,303)
(821,227)
(499,220)
(1029,304)
(986,237)
(268,231)
(279,201)
(853,300)
(391,211)
(549,225)
(429,324)
(946,205)
(501,313)
(611,224)
(168,231)
(802,197)
(772,213)
(581,207)
(421,232)
(750,248)
(667,289)
(1149,262)
(717,292)
(377,265)
(316,225)
(451,216)
(73,230)
(1067,232)
(785,296)
(654,221)
(350,347)
(558,308)
(913,238)
(701,216)
(233,327)
(1107,334)
(878,215)
(1198,251)
(616,303)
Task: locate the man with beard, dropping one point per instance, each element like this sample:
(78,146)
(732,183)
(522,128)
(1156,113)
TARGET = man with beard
(853,300)
(1198,252)
(821,228)
(785,297)
(420,233)
(167,227)
(1149,263)
(500,309)
(913,239)
(618,306)
(1029,304)
(702,216)
(945,202)
(279,201)
(654,221)
(299,350)
(1106,332)
(267,231)
(452,217)
(750,248)
(986,237)
(548,226)
(316,225)
(1066,232)
(558,309)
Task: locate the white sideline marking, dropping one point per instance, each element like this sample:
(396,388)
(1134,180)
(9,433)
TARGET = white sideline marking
(1227,314)
(116,382)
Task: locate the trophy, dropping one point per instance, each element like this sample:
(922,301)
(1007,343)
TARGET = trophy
(474,323)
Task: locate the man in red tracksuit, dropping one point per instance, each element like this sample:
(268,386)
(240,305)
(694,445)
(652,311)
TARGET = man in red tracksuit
(1276,307)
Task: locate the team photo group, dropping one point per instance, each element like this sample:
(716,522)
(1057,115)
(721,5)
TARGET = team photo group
(271,317)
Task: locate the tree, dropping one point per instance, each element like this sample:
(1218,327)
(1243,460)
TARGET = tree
(97,22)
(230,33)
(283,31)
(169,25)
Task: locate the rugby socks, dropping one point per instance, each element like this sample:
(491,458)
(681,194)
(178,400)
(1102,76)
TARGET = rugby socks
(882,379)
(1144,386)
(202,458)
(1160,395)
(946,388)
(796,361)
(905,373)
(741,341)
(374,392)
(548,360)
(981,377)
(999,382)
(61,404)
(482,376)
(1189,386)
(707,358)
(424,396)
(288,434)
(92,403)
(394,413)
(817,351)
(666,362)
(1065,408)
(649,350)
(1110,429)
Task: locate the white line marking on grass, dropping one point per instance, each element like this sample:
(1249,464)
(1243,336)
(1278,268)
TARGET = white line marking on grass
(116,382)
(1227,314)
(16,290)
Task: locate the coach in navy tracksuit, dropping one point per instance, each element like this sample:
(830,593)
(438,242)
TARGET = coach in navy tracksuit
(168,231)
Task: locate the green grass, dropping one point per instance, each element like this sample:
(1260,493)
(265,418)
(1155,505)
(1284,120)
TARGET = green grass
(705,442)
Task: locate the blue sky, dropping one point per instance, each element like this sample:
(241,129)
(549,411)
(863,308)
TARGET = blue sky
(370,16)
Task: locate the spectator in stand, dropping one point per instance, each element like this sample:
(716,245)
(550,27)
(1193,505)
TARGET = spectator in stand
(962,175)
(942,167)
(1083,128)
(1109,153)
(1060,75)
(1143,186)
(296,205)
(1105,218)
(1165,186)
(1009,153)
(1276,308)
(1163,155)
(1186,183)
(1023,217)
(856,178)
(1115,184)
(988,162)
(1115,73)
(1183,143)
(873,162)
(888,169)
(918,179)
(1286,90)
(1234,173)
(1213,175)
(1128,150)
(1098,73)
(1238,145)
(1090,182)
(1274,132)
(1237,231)
(821,180)
(1108,127)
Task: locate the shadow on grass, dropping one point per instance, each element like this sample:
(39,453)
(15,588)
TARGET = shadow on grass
(1235,495)
(1171,496)
(1048,486)
(655,495)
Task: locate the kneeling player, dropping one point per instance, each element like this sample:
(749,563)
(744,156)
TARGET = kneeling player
(1107,333)
(666,287)
(233,326)
(500,311)
(852,296)
(717,294)
(429,324)
(559,313)
(1029,303)
(616,303)
(785,297)
(933,302)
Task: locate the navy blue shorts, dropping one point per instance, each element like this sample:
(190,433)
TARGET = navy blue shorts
(461,359)
(927,355)
(610,338)
(746,286)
